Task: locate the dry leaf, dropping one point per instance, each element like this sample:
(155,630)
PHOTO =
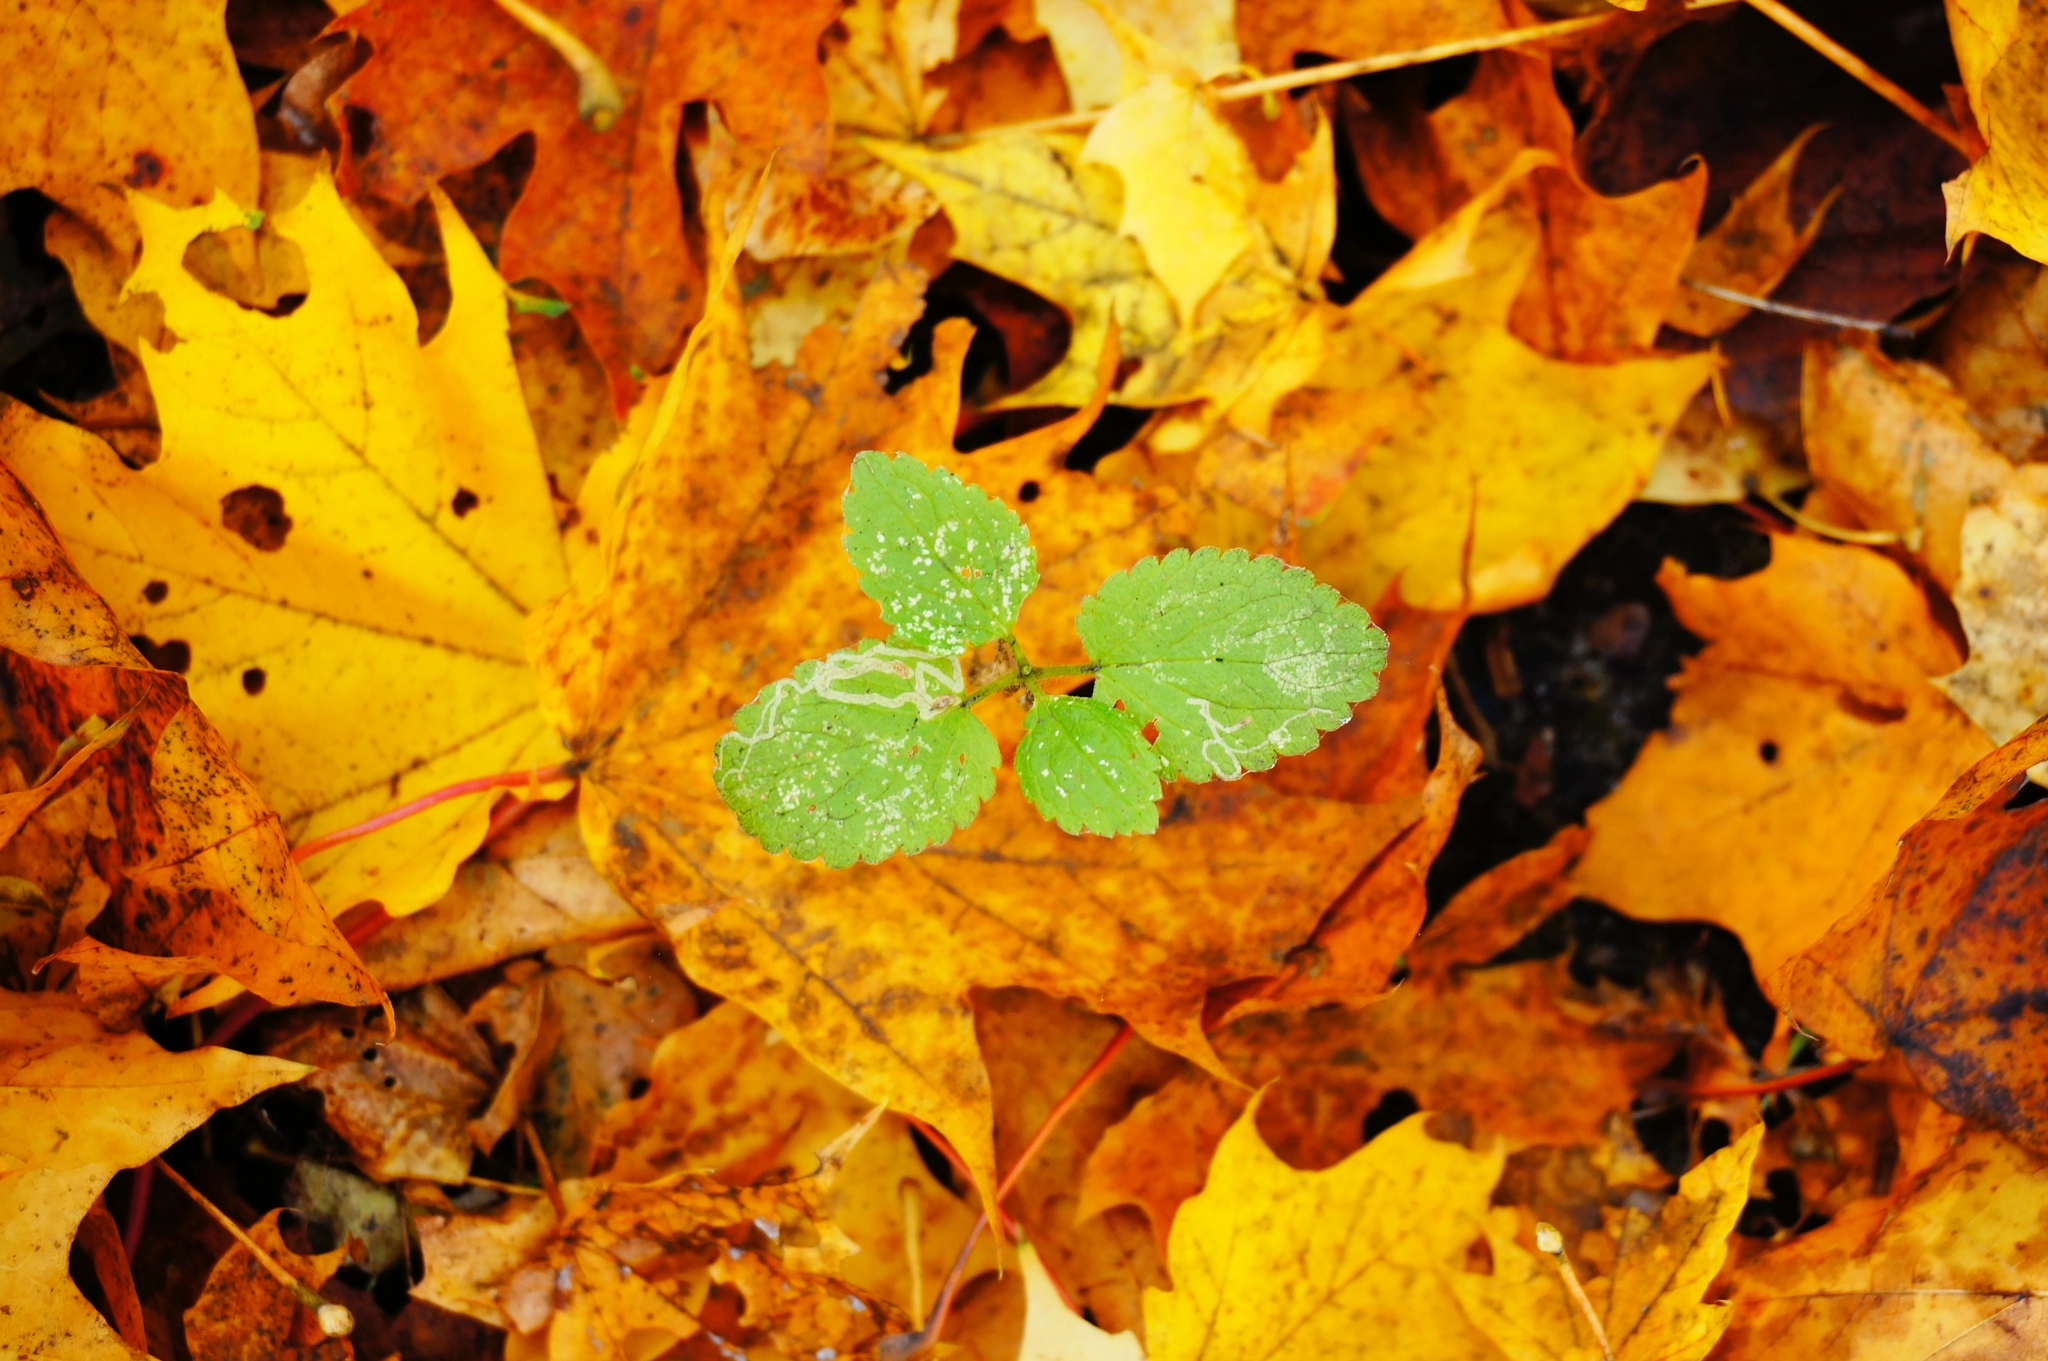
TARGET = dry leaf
(79,1105)
(1752,248)
(246,1314)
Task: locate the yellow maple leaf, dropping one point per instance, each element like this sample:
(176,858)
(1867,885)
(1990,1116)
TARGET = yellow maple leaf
(78,1105)
(2001,48)
(346,530)
(1649,1305)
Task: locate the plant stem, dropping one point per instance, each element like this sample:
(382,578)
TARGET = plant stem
(1804,1077)
(511,779)
(334,1319)
(1549,1240)
(1965,140)
(904,1346)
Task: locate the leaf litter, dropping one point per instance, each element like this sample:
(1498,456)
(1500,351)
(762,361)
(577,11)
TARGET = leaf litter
(1522,550)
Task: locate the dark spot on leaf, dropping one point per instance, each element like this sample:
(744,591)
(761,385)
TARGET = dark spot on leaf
(389,1083)
(257,514)
(25,587)
(370,1055)
(252,681)
(465,501)
(1769,752)
(155,592)
(638,1088)
(1028,492)
(175,655)
(148,170)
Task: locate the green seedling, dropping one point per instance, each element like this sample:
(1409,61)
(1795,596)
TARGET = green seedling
(1206,665)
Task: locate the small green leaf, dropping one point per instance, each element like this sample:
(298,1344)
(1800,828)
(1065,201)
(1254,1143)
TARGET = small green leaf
(949,565)
(1238,660)
(532,304)
(857,756)
(1087,766)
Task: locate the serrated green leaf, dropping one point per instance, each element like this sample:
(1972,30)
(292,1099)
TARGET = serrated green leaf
(857,756)
(1238,660)
(1087,766)
(949,565)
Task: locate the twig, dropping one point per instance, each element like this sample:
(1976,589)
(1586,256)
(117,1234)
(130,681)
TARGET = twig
(1802,1078)
(138,1209)
(598,101)
(1964,140)
(1318,75)
(1549,1240)
(1876,538)
(511,779)
(335,1320)
(1785,309)
(905,1346)
(547,1173)
(911,1199)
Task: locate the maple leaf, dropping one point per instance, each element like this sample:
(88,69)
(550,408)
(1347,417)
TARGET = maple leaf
(201,868)
(170,116)
(1809,709)
(1752,248)
(1933,959)
(337,507)
(1999,49)
(601,218)
(79,1105)
(245,1312)
(720,599)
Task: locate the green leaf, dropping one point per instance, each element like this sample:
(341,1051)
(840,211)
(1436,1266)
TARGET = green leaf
(857,756)
(1238,660)
(949,565)
(1087,766)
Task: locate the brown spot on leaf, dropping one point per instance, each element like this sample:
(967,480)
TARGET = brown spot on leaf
(25,587)
(257,514)
(155,592)
(465,501)
(175,655)
(149,168)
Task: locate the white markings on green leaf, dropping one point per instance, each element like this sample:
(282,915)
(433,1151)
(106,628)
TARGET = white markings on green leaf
(857,756)
(1088,767)
(1237,660)
(949,565)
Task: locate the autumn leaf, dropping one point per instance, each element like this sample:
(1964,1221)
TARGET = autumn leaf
(744,602)
(1933,959)
(601,220)
(403,529)
(2001,193)
(1752,248)
(245,1312)
(1808,710)
(80,1105)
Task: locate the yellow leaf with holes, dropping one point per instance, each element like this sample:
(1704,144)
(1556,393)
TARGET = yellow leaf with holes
(340,543)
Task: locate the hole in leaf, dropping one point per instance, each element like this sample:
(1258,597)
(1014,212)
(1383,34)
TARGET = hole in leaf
(1769,752)
(1028,492)
(638,1088)
(252,681)
(1396,1106)
(175,655)
(155,592)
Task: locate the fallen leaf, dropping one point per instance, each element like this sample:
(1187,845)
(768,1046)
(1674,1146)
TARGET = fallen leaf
(879,1000)
(1999,47)
(2002,598)
(1801,746)
(601,219)
(401,530)
(1272,1262)
(1752,248)
(1650,1304)
(404,1103)
(522,1022)
(1053,1332)
(1272,32)
(528,892)
(728,1097)
(1935,958)
(80,1105)
(1990,347)
(1950,1267)
(170,117)
(246,1314)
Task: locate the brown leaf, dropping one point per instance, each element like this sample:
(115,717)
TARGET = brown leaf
(601,219)
(1937,960)
(246,1314)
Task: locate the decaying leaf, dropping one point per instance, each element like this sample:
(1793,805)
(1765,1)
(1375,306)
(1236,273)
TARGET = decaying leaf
(246,1314)
(79,1105)
(1935,958)
(1999,48)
